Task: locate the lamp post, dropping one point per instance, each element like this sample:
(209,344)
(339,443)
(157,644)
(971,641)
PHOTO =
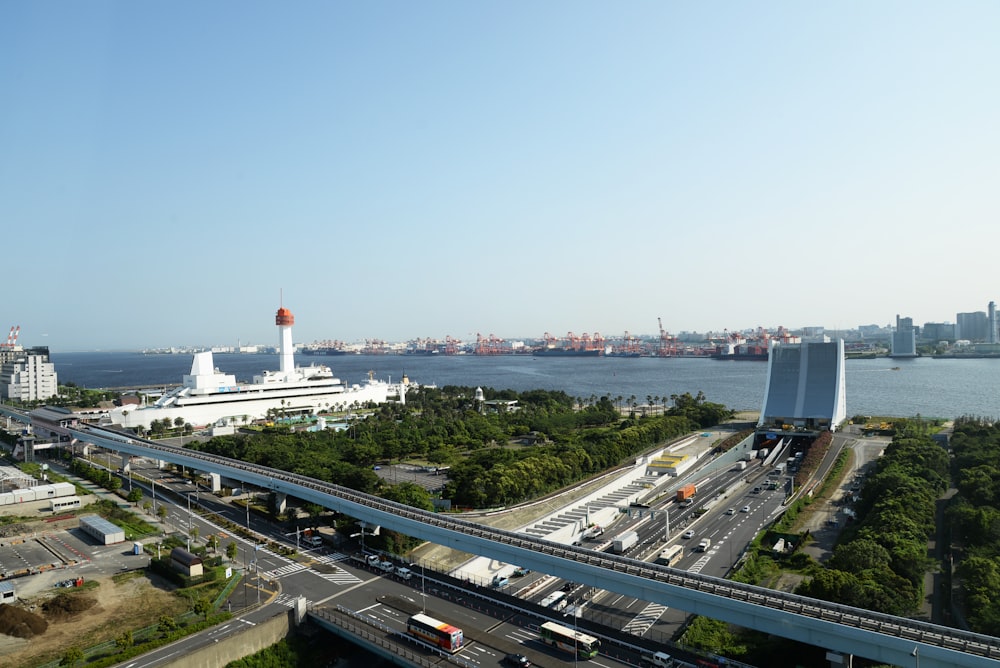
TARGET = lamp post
(916,656)
(189,523)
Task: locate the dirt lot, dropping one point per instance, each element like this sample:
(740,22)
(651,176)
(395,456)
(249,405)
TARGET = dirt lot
(90,616)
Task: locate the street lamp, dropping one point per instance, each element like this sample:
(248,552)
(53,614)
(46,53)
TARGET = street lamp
(916,656)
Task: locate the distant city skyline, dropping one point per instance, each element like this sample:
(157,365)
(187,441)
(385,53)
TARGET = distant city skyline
(469,338)
(171,174)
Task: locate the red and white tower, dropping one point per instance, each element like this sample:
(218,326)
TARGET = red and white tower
(286,351)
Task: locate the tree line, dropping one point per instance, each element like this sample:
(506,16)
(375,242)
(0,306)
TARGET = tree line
(974,519)
(446,426)
(881,559)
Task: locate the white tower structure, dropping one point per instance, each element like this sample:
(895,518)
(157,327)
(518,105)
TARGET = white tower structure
(284,320)
(805,386)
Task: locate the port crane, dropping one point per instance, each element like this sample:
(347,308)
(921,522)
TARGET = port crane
(668,343)
(15,331)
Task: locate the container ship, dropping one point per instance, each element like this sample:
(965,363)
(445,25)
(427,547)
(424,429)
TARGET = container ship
(567,352)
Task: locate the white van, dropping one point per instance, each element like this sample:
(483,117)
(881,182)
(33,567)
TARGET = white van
(703,545)
(660,660)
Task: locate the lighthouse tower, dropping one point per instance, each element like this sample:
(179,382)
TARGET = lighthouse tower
(286,351)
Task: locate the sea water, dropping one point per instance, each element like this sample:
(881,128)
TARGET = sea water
(881,386)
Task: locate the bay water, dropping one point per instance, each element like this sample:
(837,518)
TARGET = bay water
(892,387)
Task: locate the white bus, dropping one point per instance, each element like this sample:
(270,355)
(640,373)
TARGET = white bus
(671,555)
(569,640)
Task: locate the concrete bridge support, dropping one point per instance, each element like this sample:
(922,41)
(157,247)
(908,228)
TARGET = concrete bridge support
(838,660)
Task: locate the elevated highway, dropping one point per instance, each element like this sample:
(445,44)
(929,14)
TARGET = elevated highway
(883,638)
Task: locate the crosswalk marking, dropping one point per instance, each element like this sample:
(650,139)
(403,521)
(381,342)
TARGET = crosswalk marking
(338,577)
(331,558)
(288,601)
(641,622)
(285,570)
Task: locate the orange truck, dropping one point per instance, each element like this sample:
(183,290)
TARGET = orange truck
(685,492)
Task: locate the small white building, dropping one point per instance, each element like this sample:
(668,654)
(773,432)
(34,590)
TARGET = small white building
(7,594)
(102,530)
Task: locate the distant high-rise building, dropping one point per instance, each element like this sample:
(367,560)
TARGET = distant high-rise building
(938,331)
(27,374)
(904,339)
(993,322)
(973,326)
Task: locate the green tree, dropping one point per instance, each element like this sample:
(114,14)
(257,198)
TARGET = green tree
(166,624)
(135,496)
(124,641)
(411,494)
(161,512)
(71,657)
(203,606)
(231,550)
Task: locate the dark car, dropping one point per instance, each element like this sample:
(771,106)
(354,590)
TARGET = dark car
(519,660)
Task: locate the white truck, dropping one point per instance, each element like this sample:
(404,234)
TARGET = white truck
(704,545)
(624,541)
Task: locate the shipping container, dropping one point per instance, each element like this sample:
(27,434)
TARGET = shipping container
(686,492)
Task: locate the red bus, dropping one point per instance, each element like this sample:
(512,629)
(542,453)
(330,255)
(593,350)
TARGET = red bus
(439,634)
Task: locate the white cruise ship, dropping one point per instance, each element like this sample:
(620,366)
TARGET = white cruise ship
(209,397)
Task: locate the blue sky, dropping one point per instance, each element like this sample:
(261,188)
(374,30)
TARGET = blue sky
(169,172)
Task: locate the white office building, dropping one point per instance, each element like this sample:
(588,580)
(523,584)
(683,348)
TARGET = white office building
(27,375)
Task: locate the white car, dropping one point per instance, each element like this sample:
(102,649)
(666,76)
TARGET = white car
(745,509)
(688,534)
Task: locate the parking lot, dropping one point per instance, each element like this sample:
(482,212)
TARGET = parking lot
(427,477)
(43,554)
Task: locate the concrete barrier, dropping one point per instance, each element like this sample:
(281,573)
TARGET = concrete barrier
(238,645)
